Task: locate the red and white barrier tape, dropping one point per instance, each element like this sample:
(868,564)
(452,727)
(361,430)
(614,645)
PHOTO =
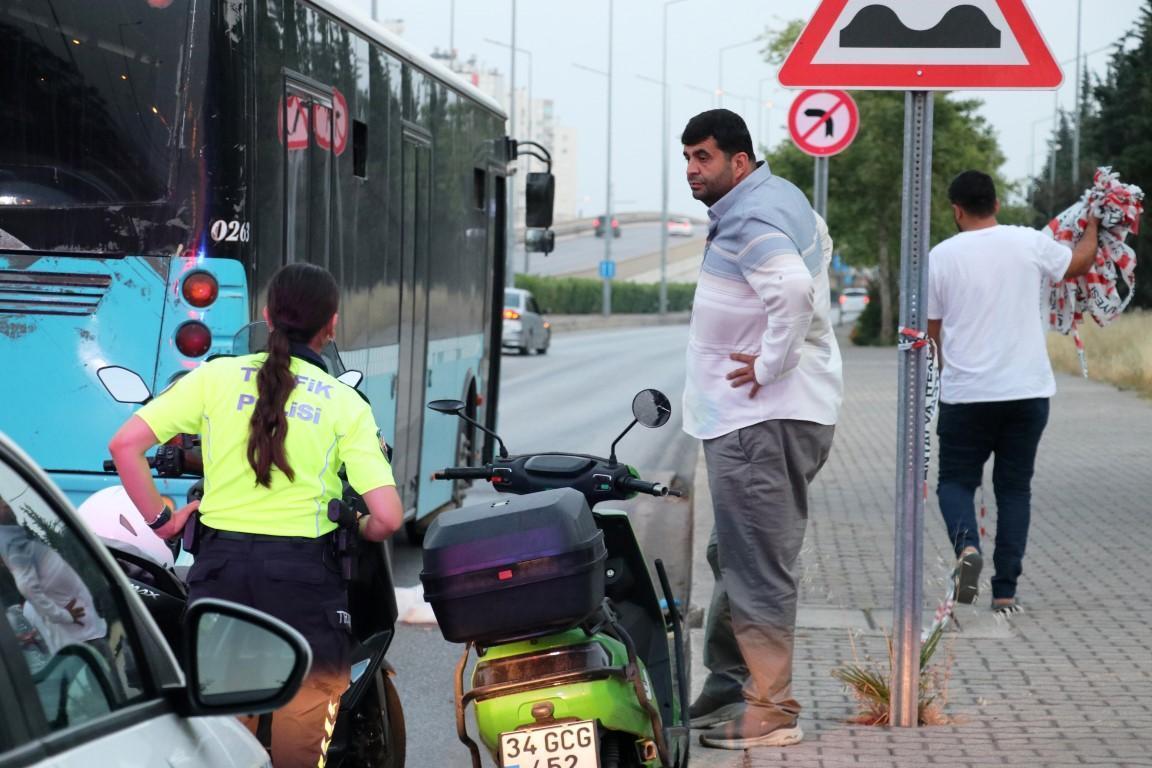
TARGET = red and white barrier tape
(1096,294)
(911,339)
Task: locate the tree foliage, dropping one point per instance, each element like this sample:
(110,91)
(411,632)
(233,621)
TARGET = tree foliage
(1116,130)
(866,181)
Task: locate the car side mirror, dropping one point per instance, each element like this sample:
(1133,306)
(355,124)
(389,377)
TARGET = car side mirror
(239,660)
(539,241)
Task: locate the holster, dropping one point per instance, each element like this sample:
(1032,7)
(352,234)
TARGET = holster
(345,539)
(191,536)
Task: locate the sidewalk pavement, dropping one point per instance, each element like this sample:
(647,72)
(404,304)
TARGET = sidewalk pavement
(1066,682)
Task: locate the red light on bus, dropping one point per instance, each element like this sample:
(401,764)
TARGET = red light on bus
(200,289)
(193,339)
(511,314)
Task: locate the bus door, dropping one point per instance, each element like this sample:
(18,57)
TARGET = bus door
(308,170)
(413,374)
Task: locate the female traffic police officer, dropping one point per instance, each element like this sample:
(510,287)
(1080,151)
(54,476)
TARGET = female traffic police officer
(275,428)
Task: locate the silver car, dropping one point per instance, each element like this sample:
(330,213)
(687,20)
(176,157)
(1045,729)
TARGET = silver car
(87,679)
(525,328)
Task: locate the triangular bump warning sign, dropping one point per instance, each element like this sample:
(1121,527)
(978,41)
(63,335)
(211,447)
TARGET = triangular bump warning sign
(921,46)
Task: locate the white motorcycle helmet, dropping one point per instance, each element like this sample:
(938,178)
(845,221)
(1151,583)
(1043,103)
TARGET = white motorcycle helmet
(112,516)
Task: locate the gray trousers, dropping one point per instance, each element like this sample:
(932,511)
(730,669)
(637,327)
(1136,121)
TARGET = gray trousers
(759,478)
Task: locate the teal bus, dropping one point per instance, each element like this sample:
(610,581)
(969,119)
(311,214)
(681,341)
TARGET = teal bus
(160,159)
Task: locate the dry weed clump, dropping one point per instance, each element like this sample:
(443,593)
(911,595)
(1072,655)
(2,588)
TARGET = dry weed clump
(1120,354)
(869,683)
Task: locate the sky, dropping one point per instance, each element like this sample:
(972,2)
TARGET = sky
(701,34)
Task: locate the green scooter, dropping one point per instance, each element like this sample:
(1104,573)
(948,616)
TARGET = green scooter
(577,664)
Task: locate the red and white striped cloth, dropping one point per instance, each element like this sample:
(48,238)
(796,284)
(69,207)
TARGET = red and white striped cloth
(1096,294)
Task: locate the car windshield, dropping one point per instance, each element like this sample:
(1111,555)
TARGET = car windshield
(89,100)
(511,299)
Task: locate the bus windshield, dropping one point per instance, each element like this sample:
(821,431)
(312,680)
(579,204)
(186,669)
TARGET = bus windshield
(89,100)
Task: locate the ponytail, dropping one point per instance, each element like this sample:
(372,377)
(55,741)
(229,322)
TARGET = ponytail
(268,428)
(302,298)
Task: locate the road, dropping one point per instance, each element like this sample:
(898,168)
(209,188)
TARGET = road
(577,398)
(584,252)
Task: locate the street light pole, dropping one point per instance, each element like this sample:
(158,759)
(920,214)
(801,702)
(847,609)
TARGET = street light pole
(664,150)
(452,30)
(1076,107)
(510,269)
(760,105)
(720,66)
(609,234)
(531,136)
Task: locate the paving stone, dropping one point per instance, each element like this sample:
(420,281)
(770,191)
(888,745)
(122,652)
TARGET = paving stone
(1066,682)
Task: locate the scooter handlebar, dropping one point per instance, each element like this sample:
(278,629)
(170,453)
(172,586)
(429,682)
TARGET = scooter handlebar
(643,486)
(110,466)
(463,473)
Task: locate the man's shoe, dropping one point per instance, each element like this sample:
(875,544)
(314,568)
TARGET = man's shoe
(967,575)
(708,711)
(752,732)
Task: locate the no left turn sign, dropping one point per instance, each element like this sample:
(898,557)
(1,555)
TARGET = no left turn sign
(823,123)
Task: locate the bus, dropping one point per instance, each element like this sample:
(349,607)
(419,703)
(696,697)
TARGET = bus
(160,159)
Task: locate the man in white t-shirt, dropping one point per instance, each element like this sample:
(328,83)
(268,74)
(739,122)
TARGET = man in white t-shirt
(987,312)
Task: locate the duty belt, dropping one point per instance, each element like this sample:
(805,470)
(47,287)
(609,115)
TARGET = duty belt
(262,537)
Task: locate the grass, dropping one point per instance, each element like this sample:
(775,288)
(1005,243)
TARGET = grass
(869,683)
(1120,354)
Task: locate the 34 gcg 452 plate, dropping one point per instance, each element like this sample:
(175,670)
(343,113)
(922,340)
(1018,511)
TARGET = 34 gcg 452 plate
(568,745)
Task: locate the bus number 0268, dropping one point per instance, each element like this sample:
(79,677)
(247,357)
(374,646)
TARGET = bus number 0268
(229,231)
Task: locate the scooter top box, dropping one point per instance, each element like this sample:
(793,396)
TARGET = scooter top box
(521,566)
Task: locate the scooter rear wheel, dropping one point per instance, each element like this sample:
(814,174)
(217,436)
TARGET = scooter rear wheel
(378,737)
(618,750)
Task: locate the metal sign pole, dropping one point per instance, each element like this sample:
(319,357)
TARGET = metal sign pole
(820,187)
(824,163)
(917,196)
(816,179)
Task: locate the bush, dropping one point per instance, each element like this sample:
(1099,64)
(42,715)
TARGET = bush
(866,332)
(584,296)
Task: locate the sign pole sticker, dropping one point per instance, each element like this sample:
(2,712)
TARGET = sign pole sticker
(823,123)
(921,46)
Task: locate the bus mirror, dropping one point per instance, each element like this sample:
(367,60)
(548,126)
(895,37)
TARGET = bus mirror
(540,191)
(124,385)
(539,240)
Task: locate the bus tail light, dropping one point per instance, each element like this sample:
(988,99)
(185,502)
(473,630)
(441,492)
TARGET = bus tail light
(511,314)
(201,289)
(193,339)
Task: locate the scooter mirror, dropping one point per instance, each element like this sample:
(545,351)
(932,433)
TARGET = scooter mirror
(351,378)
(251,338)
(447,406)
(124,385)
(651,408)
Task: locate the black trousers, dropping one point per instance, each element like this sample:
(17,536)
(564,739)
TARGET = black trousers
(296,581)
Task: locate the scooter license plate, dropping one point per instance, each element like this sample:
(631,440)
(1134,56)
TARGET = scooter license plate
(569,745)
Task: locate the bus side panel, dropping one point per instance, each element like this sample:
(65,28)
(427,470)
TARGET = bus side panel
(461,274)
(64,319)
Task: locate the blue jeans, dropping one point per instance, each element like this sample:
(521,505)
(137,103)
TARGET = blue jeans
(969,434)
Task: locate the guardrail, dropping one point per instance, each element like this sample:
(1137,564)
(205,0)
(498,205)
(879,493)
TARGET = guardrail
(579,226)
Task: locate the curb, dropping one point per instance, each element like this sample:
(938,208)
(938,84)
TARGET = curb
(570,323)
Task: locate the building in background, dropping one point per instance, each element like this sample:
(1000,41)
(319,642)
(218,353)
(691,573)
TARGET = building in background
(535,121)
